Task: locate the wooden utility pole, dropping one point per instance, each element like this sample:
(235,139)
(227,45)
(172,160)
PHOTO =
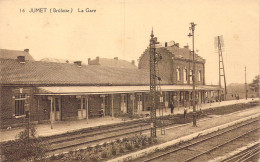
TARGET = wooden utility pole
(192,28)
(245,84)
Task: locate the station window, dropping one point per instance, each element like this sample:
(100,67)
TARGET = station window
(185,75)
(78,101)
(191,73)
(199,75)
(56,104)
(83,102)
(20,100)
(178,72)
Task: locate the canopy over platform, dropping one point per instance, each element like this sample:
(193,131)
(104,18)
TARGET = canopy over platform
(85,90)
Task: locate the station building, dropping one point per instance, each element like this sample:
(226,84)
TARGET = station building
(57,91)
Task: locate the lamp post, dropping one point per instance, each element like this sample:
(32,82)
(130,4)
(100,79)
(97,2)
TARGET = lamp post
(191,34)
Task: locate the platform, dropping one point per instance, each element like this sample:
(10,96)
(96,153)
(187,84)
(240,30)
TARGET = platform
(67,126)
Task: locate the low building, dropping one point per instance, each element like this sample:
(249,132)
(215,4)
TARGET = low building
(52,91)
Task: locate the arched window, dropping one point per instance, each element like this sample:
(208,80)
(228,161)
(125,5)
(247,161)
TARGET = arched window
(199,75)
(191,73)
(178,73)
(185,75)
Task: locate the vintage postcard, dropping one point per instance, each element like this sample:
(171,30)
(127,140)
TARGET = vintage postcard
(129,80)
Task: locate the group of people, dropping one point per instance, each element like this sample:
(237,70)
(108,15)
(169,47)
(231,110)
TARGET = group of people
(171,106)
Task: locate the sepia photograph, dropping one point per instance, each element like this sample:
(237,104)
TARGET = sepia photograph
(129,80)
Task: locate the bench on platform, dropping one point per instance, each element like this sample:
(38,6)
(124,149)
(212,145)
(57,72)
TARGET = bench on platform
(98,113)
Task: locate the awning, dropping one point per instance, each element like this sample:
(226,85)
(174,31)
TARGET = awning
(84,90)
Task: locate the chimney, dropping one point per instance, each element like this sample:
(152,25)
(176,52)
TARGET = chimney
(115,58)
(21,59)
(94,61)
(165,44)
(177,44)
(187,46)
(26,50)
(133,62)
(77,63)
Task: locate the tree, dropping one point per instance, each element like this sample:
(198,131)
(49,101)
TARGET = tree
(25,147)
(254,86)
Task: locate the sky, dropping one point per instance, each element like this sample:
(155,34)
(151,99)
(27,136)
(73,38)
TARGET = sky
(121,28)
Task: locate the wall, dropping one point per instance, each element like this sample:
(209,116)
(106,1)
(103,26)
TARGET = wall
(182,64)
(7,105)
(69,107)
(169,64)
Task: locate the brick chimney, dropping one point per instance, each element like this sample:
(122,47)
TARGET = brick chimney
(115,58)
(77,63)
(26,50)
(97,58)
(133,62)
(187,46)
(21,59)
(93,62)
(165,44)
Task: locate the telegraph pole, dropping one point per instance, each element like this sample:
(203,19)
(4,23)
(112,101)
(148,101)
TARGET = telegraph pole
(219,44)
(192,29)
(245,83)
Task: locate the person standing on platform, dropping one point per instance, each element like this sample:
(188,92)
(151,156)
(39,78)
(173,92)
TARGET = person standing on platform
(172,107)
(185,113)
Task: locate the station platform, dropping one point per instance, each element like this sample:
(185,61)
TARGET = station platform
(180,110)
(68,126)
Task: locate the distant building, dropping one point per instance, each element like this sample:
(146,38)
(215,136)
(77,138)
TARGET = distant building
(13,54)
(117,63)
(59,60)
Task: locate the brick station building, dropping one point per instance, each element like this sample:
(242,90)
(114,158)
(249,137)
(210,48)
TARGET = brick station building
(54,91)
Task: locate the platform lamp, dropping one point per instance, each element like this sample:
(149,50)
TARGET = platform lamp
(191,34)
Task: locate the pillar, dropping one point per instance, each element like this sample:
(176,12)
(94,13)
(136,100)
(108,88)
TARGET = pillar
(165,100)
(54,109)
(51,115)
(38,108)
(86,107)
(219,96)
(104,106)
(112,104)
(60,108)
(133,98)
(210,98)
(81,106)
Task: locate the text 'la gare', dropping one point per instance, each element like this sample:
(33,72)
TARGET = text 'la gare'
(86,10)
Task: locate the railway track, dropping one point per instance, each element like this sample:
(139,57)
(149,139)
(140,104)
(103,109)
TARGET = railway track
(200,148)
(85,139)
(88,138)
(250,154)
